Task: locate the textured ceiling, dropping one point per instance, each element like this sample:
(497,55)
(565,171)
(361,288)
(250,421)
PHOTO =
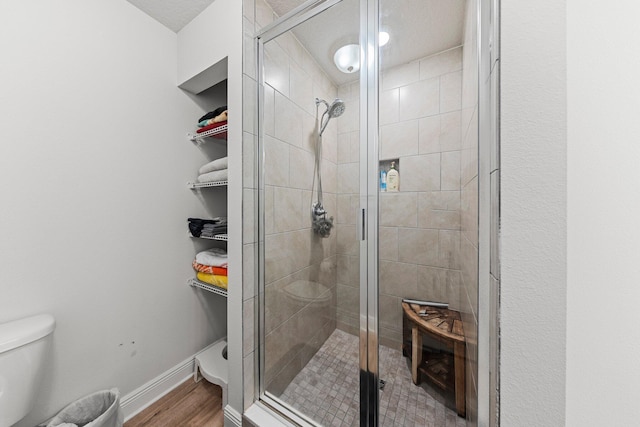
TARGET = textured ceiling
(173,14)
(418,28)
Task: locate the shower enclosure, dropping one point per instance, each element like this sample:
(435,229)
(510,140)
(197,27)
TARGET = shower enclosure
(367,282)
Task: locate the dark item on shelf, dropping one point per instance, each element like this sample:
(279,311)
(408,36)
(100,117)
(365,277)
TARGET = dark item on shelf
(211,126)
(196,225)
(444,368)
(213,114)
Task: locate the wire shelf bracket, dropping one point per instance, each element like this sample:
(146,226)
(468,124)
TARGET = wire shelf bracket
(207,287)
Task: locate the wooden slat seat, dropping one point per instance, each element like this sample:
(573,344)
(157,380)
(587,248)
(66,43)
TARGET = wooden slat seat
(445,326)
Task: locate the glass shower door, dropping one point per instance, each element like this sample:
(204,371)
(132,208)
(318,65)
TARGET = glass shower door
(368,211)
(309,200)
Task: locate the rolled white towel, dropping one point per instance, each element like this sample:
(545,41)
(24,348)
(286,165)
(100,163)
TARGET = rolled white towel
(221,175)
(216,165)
(213,257)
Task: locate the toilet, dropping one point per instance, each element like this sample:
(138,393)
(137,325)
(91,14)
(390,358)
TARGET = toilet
(24,346)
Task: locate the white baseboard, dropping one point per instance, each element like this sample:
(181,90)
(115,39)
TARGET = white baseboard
(232,417)
(140,398)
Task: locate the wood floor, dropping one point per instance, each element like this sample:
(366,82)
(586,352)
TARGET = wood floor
(188,405)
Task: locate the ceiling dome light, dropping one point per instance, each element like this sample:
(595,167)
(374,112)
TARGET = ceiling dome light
(347,58)
(383,38)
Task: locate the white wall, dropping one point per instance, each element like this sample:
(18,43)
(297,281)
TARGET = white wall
(603,207)
(602,204)
(93,166)
(533,213)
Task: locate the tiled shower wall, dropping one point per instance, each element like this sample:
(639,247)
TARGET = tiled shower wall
(300,267)
(420,124)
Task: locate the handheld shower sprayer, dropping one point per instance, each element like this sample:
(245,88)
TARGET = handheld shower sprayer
(321,223)
(335,109)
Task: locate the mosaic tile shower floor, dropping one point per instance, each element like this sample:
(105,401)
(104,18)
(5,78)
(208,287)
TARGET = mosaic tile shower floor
(326,390)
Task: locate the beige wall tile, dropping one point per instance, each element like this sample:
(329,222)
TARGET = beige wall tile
(344,148)
(348,270)
(349,120)
(278,264)
(249,86)
(389,106)
(329,175)
(249,219)
(276,68)
(451,92)
(348,299)
(440,200)
(347,242)
(249,380)
(288,121)
(287,209)
(399,139)
(454,285)
(450,131)
(418,246)
(248,271)
(388,238)
(301,169)
(429,134)
(263,13)
(398,209)
(348,178)
(421,99)
(439,219)
(276,163)
(269,111)
(398,279)
(248,311)
(449,254)
(301,89)
(292,46)
(343,213)
(469,211)
(249,173)
(269,214)
(450,170)
(401,75)
(420,173)
(442,63)
(391,312)
(432,284)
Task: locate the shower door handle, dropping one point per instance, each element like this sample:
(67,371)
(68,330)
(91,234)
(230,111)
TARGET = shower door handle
(363,227)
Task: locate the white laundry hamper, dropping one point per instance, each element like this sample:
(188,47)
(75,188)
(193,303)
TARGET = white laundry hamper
(100,409)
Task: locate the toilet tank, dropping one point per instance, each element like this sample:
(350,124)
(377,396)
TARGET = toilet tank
(24,346)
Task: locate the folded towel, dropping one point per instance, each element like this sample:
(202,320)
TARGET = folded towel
(197,225)
(216,165)
(218,271)
(214,257)
(211,126)
(214,113)
(213,279)
(221,175)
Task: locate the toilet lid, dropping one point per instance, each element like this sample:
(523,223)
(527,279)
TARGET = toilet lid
(23,331)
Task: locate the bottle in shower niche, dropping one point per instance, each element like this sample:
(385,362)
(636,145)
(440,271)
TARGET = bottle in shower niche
(383,180)
(393,178)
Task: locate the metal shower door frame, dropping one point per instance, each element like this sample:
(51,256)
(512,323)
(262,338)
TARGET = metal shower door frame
(367,220)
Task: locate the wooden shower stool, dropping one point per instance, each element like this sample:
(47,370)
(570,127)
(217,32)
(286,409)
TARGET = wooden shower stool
(444,326)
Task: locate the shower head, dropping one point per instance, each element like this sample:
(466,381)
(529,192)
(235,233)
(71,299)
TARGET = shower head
(336,109)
